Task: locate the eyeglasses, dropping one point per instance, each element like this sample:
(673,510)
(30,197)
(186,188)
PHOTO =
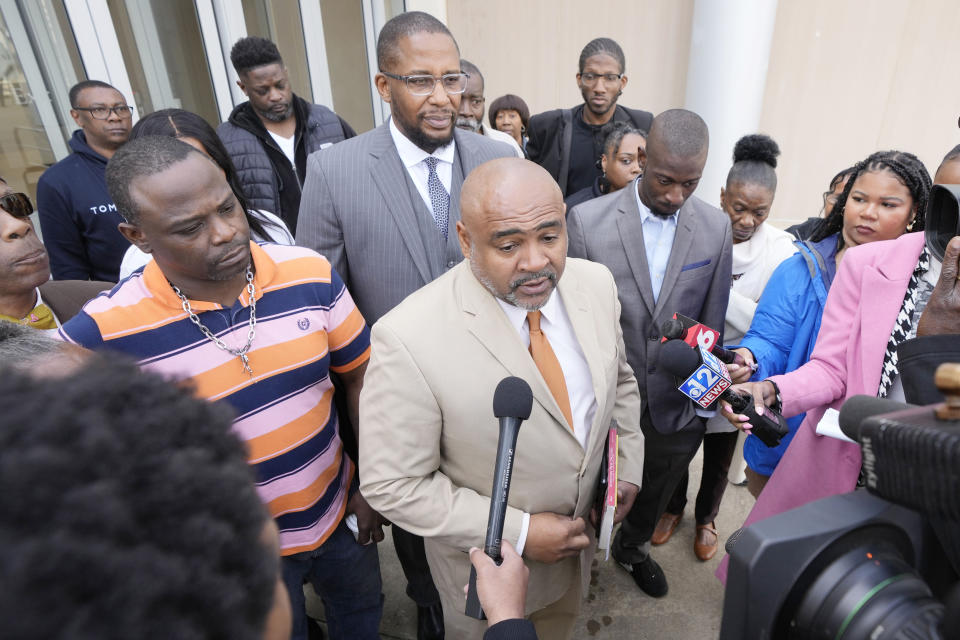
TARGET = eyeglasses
(16,204)
(608,78)
(423,85)
(102,113)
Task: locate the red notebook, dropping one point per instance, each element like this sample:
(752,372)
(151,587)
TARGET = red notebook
(608,481)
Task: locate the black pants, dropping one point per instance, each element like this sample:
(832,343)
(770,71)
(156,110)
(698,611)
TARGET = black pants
(413,559)
(665,460)
(718,451)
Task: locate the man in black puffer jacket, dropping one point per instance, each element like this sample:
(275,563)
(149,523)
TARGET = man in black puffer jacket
(270,136)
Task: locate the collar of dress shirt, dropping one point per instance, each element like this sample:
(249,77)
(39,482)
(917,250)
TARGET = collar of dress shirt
(412,155)
(645,212)
(551,312)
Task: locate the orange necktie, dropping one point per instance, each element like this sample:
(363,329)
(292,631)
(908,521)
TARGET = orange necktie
(549,366)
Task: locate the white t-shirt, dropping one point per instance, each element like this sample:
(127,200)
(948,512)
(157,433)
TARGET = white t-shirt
(286,145)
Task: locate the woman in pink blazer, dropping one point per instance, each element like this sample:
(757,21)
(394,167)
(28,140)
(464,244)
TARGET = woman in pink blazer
(862,315)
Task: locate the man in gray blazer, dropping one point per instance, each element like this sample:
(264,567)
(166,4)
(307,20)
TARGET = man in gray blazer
(383,207)
(669,253)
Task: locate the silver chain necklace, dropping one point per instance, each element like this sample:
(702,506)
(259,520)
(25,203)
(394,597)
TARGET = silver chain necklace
(241,352)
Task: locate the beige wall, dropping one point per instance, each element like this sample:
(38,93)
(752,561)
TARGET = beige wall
(846,77)
(849,78)
(531,47)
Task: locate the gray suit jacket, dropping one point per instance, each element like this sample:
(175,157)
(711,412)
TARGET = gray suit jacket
(696,284)
(357,211)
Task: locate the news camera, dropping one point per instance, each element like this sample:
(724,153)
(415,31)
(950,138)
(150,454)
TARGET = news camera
(881,562)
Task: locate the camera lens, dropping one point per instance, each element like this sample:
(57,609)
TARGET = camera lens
(868,592)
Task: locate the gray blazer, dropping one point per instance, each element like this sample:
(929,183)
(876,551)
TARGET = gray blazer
(697,284)
(360,210)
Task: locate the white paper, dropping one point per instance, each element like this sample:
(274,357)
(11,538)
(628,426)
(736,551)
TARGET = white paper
(829,426)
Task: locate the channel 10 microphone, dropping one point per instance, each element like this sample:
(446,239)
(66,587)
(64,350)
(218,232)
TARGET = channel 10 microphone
(697,334)
(705,379)
(512,403)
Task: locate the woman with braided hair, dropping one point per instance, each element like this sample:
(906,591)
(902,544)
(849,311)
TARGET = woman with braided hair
(883,280)
(885,194)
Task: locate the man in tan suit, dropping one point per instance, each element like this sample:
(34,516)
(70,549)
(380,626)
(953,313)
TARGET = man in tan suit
(428,436)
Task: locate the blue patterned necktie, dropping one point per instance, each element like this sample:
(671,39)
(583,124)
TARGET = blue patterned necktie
(439,197)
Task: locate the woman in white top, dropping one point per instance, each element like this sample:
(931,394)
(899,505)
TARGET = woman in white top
(195,131)
(757,250)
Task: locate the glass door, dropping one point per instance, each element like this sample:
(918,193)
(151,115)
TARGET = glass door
(163,51)
(31,136)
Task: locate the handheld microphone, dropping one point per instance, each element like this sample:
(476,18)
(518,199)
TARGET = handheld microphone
(858,408)
(512,403)
(705,379)
(696,335)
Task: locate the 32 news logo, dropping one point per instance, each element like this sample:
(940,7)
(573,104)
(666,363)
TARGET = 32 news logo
(709,380)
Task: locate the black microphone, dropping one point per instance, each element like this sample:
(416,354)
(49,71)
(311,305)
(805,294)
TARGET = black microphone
(686,363)
(512,403)
(682,328)
(858,408)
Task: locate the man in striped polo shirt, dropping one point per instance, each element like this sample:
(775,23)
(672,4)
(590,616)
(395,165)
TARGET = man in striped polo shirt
(261,328)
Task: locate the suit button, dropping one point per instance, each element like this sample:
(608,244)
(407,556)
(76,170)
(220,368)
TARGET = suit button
(654,337)
(451,264)
(651,369)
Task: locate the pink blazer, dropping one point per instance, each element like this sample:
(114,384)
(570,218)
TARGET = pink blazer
(861,309)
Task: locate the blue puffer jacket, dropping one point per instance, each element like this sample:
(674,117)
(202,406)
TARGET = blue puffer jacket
(785,327)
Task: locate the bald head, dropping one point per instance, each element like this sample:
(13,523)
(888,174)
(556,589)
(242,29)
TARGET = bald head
(500,183)
(512,229)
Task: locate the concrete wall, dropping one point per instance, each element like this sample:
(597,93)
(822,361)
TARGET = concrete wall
(531,47)
(848,78)
(845,77)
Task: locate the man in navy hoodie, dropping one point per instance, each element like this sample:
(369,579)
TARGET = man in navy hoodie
(77,216)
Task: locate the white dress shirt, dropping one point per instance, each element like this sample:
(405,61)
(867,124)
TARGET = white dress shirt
(555,325)
(413,158)
(658,235)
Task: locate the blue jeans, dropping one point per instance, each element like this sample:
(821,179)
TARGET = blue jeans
(346,576)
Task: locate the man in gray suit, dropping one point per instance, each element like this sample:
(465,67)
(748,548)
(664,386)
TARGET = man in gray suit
(669,253)
(383,207)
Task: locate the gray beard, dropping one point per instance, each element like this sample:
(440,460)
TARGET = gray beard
(469,124)
(510,297)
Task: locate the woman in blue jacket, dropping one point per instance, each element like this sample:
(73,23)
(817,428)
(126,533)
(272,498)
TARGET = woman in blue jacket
(787,320)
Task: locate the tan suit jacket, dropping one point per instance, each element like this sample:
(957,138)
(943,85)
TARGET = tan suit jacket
(428,437)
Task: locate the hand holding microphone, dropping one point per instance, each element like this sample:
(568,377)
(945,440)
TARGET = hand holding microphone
(740,363)
(512,403)
(502,588)
(704,380)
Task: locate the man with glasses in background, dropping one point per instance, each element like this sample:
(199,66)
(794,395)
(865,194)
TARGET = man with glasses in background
(383,206)
(77,216)
(569,142)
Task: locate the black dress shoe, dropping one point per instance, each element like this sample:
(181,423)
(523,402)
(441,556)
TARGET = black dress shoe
(430,622)
(649,577)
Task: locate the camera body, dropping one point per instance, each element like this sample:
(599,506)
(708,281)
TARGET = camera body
(875,563)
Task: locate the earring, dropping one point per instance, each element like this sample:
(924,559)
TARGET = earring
(910,226)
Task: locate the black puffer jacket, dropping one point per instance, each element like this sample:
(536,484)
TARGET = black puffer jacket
(269,181)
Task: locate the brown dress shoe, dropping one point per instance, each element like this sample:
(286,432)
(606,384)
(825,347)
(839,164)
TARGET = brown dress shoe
(706,541)
(665,527)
